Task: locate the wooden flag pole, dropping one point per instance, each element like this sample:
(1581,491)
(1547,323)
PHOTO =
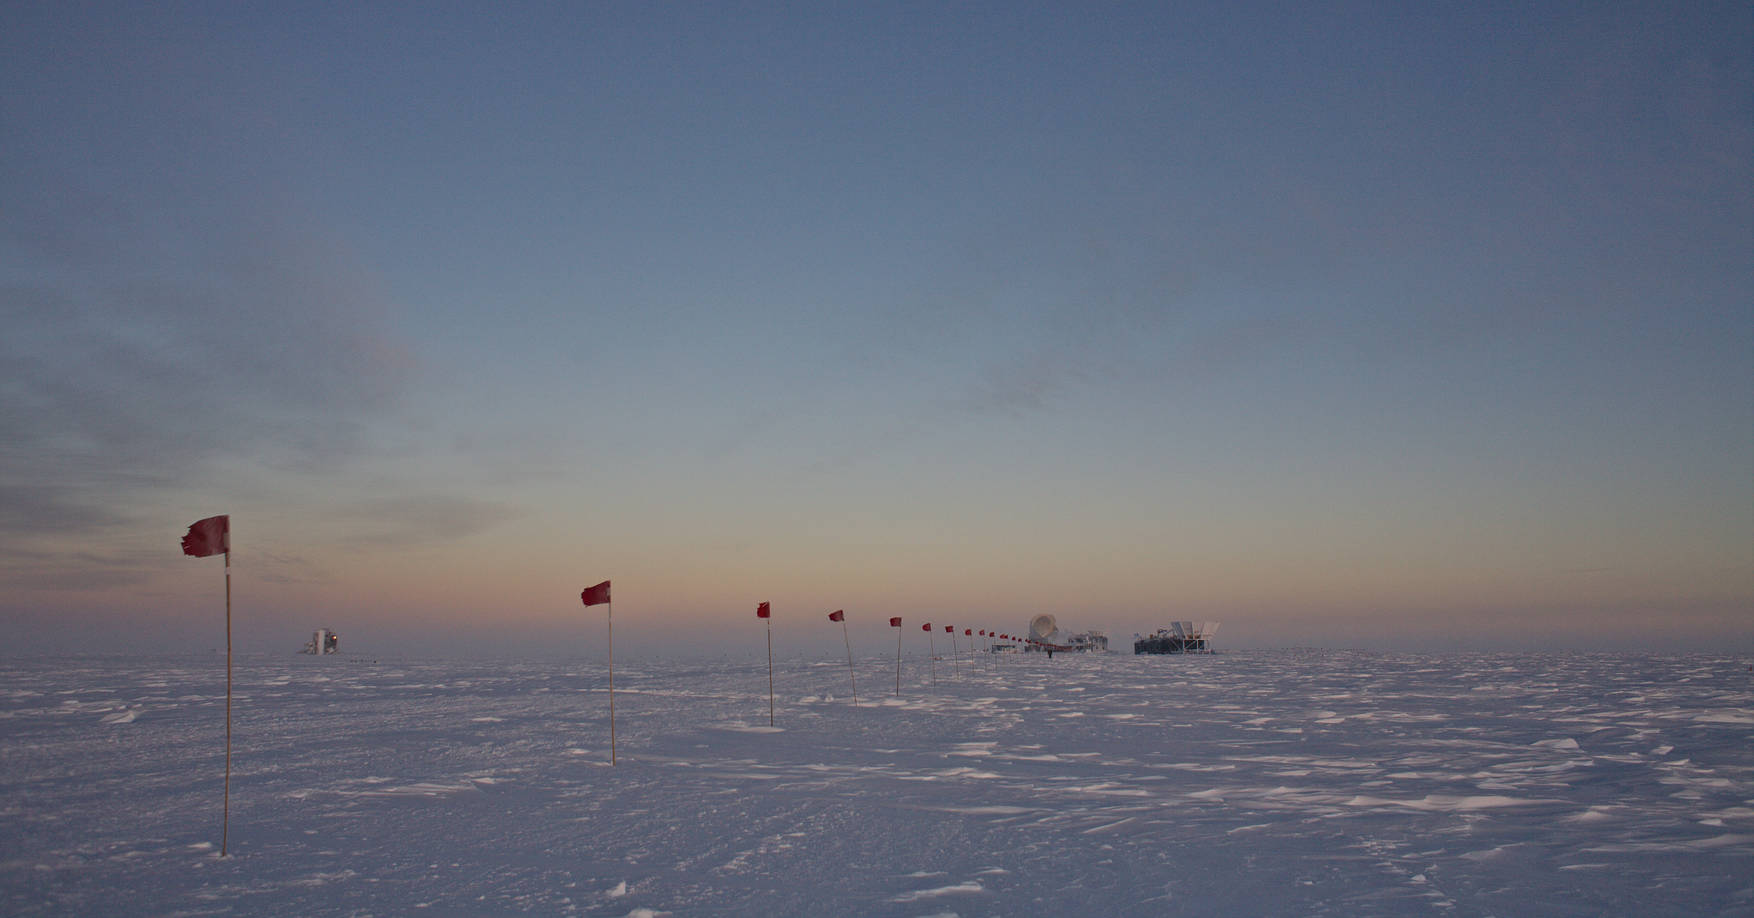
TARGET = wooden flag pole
(769,670)
(612,681)
(225,818)
(854,676)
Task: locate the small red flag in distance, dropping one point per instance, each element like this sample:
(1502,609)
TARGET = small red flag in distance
(210,536)
(895,622)
(983,632)
(597,595)
(926,627)
(762,611)
(838,615)
(968,632)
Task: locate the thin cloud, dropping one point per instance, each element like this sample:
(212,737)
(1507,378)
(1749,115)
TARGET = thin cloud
(138,364)
(424,519)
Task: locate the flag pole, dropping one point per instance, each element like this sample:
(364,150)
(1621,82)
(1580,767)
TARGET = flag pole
(225,817)
(898,661)
(612,681)
(955,664)
(854,676)
(932,652)
(769,670)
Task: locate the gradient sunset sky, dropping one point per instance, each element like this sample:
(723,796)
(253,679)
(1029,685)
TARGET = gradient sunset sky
(1394,325)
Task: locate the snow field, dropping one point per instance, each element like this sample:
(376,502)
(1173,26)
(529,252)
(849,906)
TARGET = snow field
(1311,783)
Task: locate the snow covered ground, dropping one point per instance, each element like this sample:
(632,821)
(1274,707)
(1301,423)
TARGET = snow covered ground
(1283,783)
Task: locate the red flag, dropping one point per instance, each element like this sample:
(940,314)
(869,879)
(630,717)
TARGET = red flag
(838,615)
(950,629)
(968,632)
(210,536)
(983,632)
(926,627)
(895,622)
(597,595)
(762,611)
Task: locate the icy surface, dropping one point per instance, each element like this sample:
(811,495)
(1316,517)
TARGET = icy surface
(1292,783)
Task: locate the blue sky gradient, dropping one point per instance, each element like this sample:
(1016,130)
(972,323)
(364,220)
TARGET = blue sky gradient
(1364,324)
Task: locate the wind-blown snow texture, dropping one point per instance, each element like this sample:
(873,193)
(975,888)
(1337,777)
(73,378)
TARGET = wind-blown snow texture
(1291,783)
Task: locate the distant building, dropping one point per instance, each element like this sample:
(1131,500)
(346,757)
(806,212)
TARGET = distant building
(1045,636)
(322,642)
(1179,637)
(1088,642)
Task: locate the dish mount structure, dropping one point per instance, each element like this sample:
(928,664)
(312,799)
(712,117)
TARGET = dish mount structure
(1179,637)
(1045,636)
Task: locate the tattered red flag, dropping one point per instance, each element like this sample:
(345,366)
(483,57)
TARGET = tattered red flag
(983,632)
(968,632)
(951,629)
(926,627)
(597,595)
(210,536)
(762,611)
(838,615)
(895,622)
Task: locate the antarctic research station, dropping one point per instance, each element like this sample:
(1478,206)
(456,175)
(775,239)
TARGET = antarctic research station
(1045,636)
(1179,637)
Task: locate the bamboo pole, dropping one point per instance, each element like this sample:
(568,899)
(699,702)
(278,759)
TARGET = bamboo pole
(225,818)
(769,669)
(850,672)
(612,680)
(898,661)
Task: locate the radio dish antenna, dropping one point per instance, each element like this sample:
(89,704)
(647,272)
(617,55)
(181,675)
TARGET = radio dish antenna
(1044,628)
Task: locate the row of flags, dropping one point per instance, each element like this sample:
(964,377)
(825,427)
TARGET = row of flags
(599,595)
(765,610)
(212,536)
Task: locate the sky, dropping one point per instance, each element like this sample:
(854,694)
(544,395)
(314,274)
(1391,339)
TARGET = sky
(1401,326)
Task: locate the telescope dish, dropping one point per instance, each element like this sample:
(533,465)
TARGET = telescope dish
(1043,627)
